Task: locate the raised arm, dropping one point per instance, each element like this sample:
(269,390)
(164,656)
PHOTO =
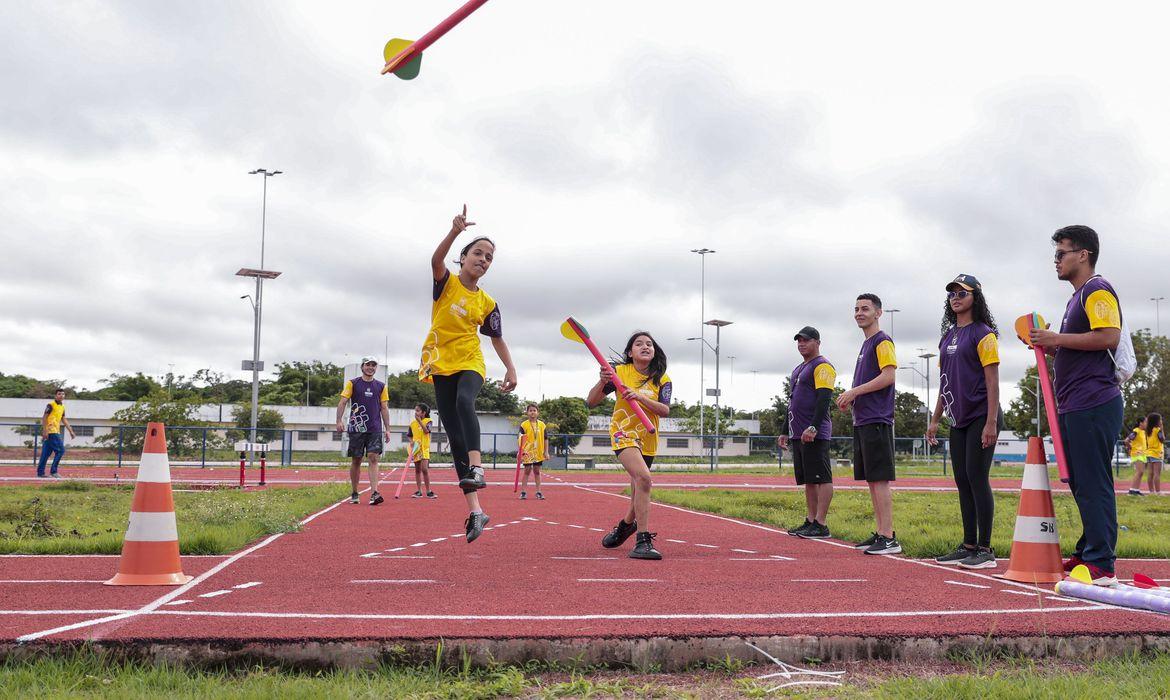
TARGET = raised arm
(439,258)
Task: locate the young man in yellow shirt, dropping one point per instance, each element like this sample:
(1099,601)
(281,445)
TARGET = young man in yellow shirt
(53,427)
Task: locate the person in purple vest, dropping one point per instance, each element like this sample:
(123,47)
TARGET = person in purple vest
(369,420)
(1088,395)
(968,391)
(872,401)
(810,428)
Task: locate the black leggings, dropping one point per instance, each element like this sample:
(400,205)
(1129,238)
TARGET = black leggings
(455,395)
(972,464)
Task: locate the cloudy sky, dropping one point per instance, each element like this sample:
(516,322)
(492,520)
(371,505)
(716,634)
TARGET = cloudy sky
(823,149)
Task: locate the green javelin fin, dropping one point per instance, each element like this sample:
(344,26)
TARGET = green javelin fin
(408,70)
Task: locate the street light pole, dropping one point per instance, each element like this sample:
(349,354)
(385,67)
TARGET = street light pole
(260,276)
(540,380)
(892,312)
(702,252)
(1157,314)
(718,416)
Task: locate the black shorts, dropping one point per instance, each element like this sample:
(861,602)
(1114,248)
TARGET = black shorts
(810,461)
(533,464)
(362,444)
(873,452)
(648,459)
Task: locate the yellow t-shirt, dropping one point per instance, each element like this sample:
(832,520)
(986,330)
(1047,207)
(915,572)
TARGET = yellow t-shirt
(625,430)
(422,437)
(1154,444)
(533,440)
(1137,445)
(452,345)
(56,411)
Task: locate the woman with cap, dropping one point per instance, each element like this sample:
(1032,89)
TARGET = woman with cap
(453,361)
(969,394)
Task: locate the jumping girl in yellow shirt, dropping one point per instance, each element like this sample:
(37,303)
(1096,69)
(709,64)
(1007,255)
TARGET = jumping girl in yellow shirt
(452,359)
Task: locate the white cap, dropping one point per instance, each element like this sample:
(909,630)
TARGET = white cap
(369,358)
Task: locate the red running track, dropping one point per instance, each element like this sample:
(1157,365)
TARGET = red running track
(403,571)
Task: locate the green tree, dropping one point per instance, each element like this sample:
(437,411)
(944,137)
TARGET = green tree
(157,408)
(1021,412)
(909,415)
(18,386)
(126,387)
(492,399)
(605,408)
(565,415)
(1148,390)
(406,390)
(269,424)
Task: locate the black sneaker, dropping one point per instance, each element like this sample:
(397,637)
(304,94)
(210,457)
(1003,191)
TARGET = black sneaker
(523,495)
(473,480)
(982,558)
(475,524)
(355,498)
(885,545)
(795,531)
(1135,492)
(619,534)
(961,552)
(868,542)
(815,531)
(644,548)
(431,494)
(376,498)
(539,496)
(416,494)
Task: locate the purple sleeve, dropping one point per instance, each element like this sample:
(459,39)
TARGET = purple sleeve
(608,389)
(492,327)
(664,392)
(437,287)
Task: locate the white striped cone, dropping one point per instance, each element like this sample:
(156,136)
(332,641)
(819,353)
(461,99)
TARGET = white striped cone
(1036,544)
(150,552)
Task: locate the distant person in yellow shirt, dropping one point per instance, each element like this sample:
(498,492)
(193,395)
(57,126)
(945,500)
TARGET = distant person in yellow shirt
(420,443)
(535,449)
(53,427)
(642,369)
(1154,451)
(1135,443)
(453,361)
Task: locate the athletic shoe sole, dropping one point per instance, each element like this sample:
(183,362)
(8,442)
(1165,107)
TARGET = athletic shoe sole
(476,532)
(815,535)
(982,565)
(651,556)
(896,549)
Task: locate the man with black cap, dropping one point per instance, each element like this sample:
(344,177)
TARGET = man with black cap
(810,429)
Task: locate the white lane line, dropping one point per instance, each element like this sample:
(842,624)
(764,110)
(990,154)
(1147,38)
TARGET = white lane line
(178,592)
(180,602)
(758,559)
(780,557)
(213,594)
(579,527)
(708,546)
(745,551)
(63,612)
(100,556)
(420,544)
(663,616)
(439,539)
(596,529)
(582,558)
(617,580)
(677,541)
(48,580)
(394,580)
(502,525)
(396,549)
(455,536)
(828,580)
(550,522)
(1015,592)
(249,584)
(968,585)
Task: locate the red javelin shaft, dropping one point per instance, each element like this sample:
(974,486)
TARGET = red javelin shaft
(617,382)
(432,36)
(1050,408)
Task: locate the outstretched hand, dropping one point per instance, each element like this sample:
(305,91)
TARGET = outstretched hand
(460,223)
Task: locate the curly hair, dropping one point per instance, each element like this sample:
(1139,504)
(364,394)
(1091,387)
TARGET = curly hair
(980,313)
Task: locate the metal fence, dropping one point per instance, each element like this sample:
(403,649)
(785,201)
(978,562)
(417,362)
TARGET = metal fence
(212,445)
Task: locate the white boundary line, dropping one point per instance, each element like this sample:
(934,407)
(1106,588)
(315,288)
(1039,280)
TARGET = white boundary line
(49,580)
(158,602)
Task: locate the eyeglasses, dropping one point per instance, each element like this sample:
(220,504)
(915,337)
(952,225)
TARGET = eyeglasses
(1061,253)
(958,294)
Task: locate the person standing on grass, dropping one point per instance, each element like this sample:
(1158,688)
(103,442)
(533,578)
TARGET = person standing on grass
(642,369)
(872,402)
(535,449)
(1088,395)
(420,445)
(810,430)
(1135,444)
(968,360)
(369,419)
(53,427)
(452,359)
(1154,451)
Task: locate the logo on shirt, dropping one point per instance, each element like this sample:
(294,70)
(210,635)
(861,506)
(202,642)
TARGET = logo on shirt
(953,346)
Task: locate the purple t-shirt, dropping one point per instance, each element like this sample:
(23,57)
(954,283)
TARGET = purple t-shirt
(963,352)
(803,403)
(365,406)
(1085,379)
(877,406)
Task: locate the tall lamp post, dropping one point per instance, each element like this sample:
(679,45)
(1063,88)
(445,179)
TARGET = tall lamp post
(718,416)
(1157,314)
(702,253)
(258,307)
(892,312)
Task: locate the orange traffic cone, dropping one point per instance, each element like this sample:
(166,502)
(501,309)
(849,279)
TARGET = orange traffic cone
(150,552)
(1035,545)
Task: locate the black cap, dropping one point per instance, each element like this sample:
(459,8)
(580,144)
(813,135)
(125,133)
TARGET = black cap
(967,282)
(807,332)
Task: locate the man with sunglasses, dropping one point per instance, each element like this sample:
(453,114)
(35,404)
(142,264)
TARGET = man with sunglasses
(369,420)
(1088,395)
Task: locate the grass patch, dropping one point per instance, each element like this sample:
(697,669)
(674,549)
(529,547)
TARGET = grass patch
(75,517)
(928,524)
